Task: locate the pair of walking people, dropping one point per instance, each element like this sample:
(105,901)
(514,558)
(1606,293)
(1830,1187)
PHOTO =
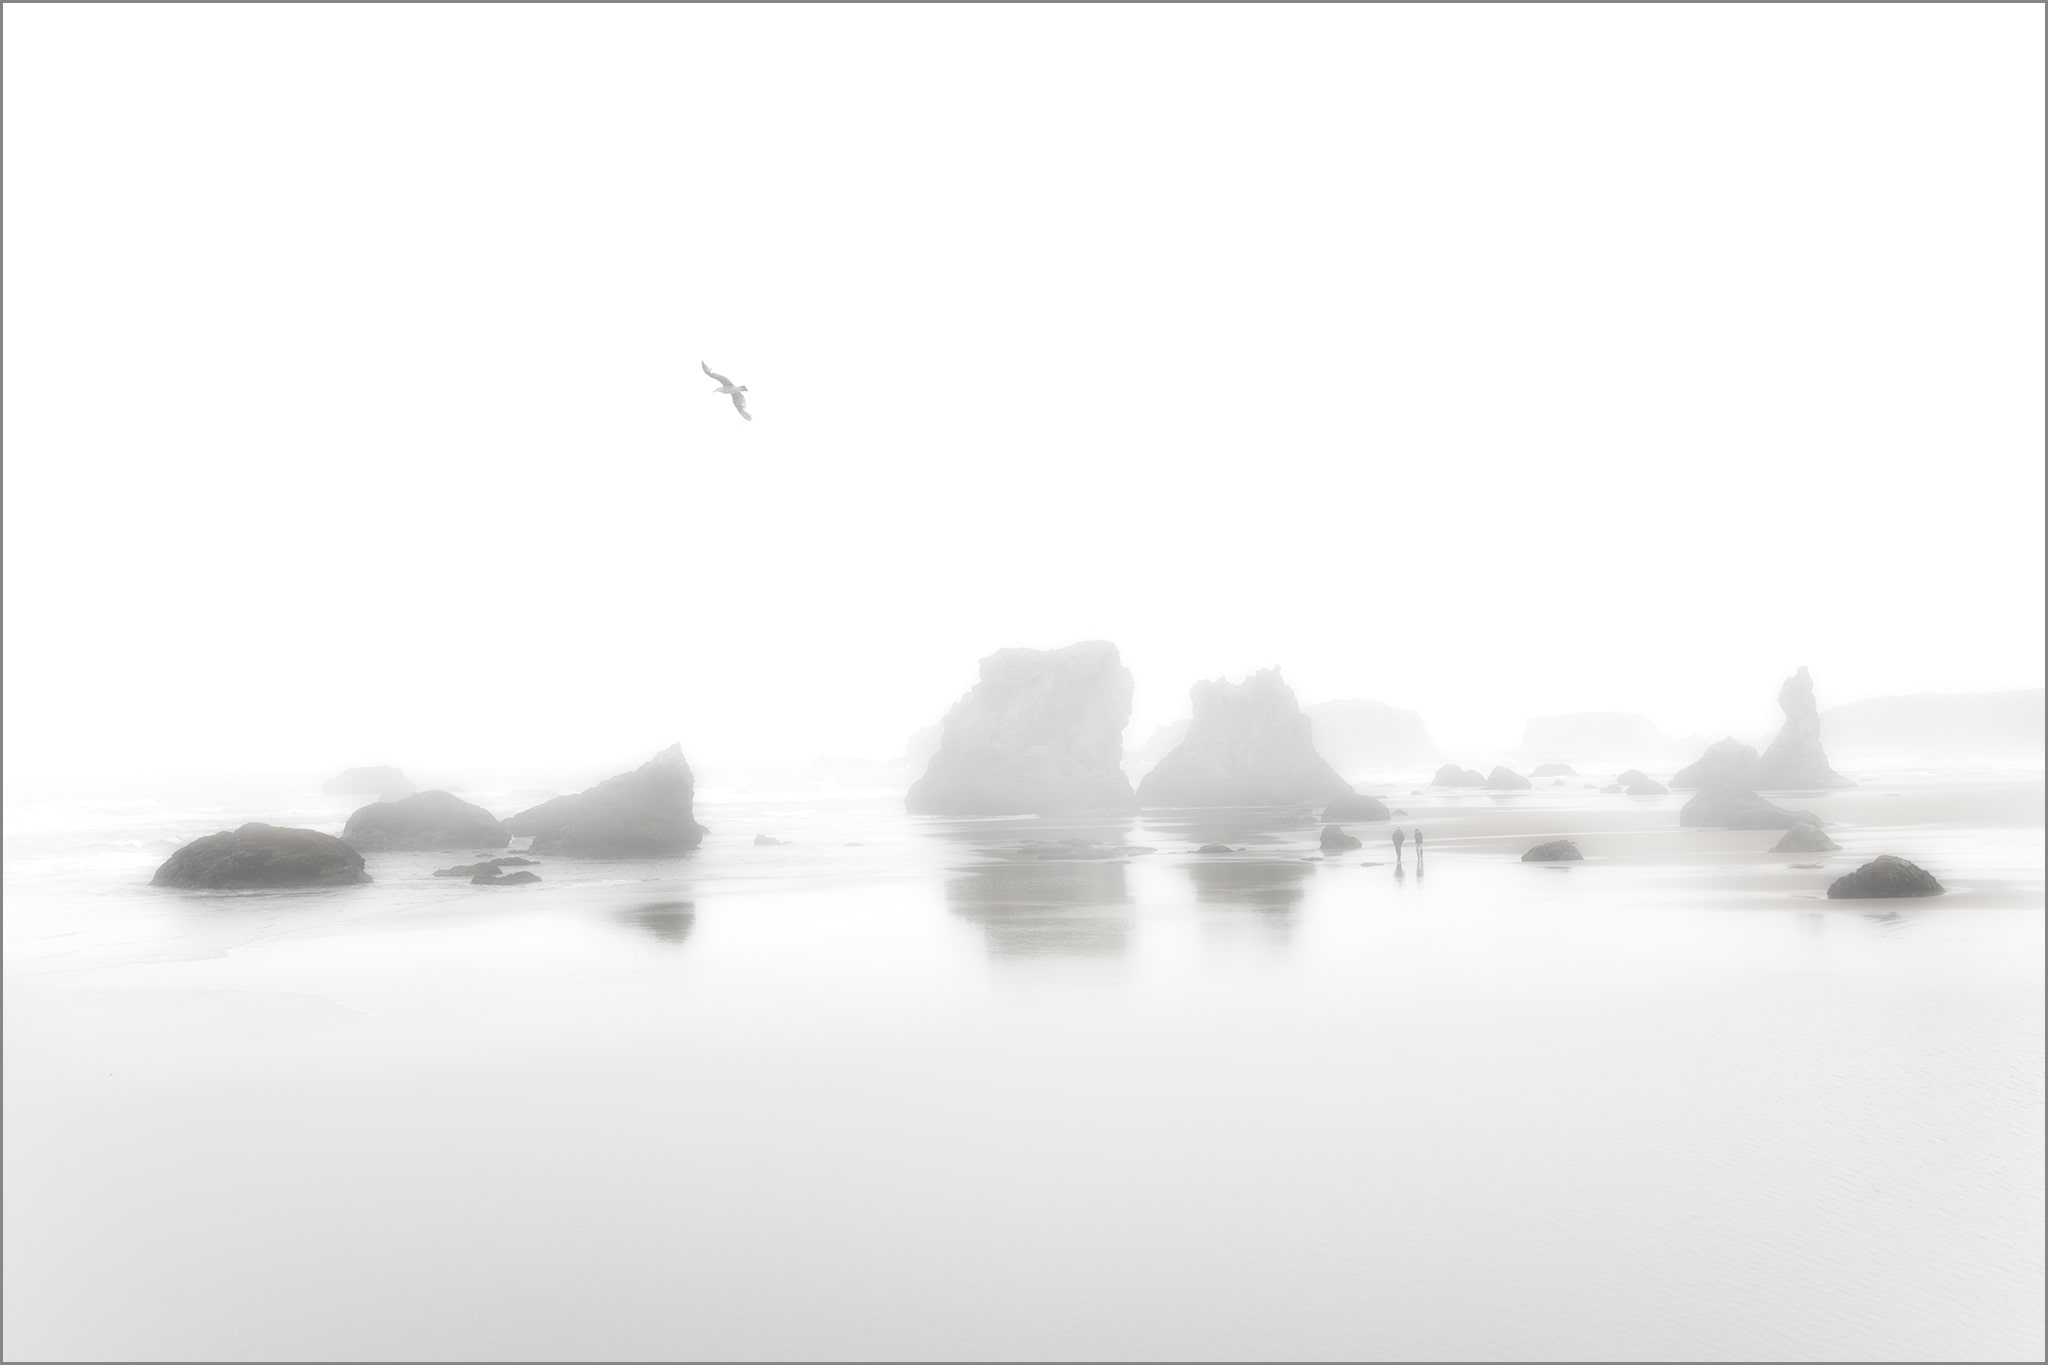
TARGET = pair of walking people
(1401,838)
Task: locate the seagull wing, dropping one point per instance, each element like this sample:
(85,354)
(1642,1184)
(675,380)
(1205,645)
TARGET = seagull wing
(739,400)
(716,375)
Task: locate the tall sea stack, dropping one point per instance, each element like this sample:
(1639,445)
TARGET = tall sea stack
(1042,733)
(1248,745)
(1795,760)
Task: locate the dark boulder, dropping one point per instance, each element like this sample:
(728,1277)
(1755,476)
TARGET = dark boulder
(1451,775)
(1507,780)
(1356,807)
(1556,851)
(1335,839)
(259,855)
(768,841)
(425,820)
(1640,784)
(496,878)
(1805,839)
(1555,770)
(384,783)
(645,813)
(1215,848)
(1721,808)
(468,870)
(1884,876)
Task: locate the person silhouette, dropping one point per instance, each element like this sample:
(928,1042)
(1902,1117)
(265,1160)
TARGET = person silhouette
(1399,839)
(1418,844)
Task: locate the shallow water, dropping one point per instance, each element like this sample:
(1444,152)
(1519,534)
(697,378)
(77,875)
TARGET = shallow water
(891,1091)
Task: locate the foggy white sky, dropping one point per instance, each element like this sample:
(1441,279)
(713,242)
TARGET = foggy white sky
(1486,361)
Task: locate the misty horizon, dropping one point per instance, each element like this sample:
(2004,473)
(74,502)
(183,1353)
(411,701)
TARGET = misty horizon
(1481,477)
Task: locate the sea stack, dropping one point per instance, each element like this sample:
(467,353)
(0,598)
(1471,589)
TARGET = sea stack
(1041,734)
(646,813)
(1795,761)
(424,820)
(1248,744)
(1726,763)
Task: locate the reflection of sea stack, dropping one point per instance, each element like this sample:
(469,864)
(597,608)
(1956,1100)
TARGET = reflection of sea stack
(1248,744)
(1040,734)
(1795,759)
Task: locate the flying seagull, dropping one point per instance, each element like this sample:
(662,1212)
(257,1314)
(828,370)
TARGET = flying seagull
(739,399)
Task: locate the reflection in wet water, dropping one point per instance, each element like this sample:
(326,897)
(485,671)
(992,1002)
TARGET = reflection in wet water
(1264,895)
(669,921)
(1046,909)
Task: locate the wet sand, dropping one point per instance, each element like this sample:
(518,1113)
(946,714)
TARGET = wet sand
(886,1092)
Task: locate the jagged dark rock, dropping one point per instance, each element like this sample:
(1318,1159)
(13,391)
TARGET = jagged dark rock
(1248,744)
(1335,838)
(1805,838)
(1451,775)
(1556,851)
(1641,784)
(1795,761)
(496,878)
(385,783)
(1884,876)
(1356,807)
(1507,780)
(1041,733)
(468,870)
(769,841)
(425,820)
(645,813)
(1727,763)
(258,856)
(1554,770)
(1722,808)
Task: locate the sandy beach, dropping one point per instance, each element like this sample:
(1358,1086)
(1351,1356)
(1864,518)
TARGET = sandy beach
(894,1090)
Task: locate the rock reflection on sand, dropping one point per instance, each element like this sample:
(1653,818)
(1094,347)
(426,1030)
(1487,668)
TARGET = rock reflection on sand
(670,921)
(1046,909)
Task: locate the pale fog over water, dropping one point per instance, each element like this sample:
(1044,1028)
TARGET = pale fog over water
(883,1091)
(886,415)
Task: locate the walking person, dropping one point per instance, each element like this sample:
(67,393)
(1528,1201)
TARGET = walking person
(1418,845)
(1399,839)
